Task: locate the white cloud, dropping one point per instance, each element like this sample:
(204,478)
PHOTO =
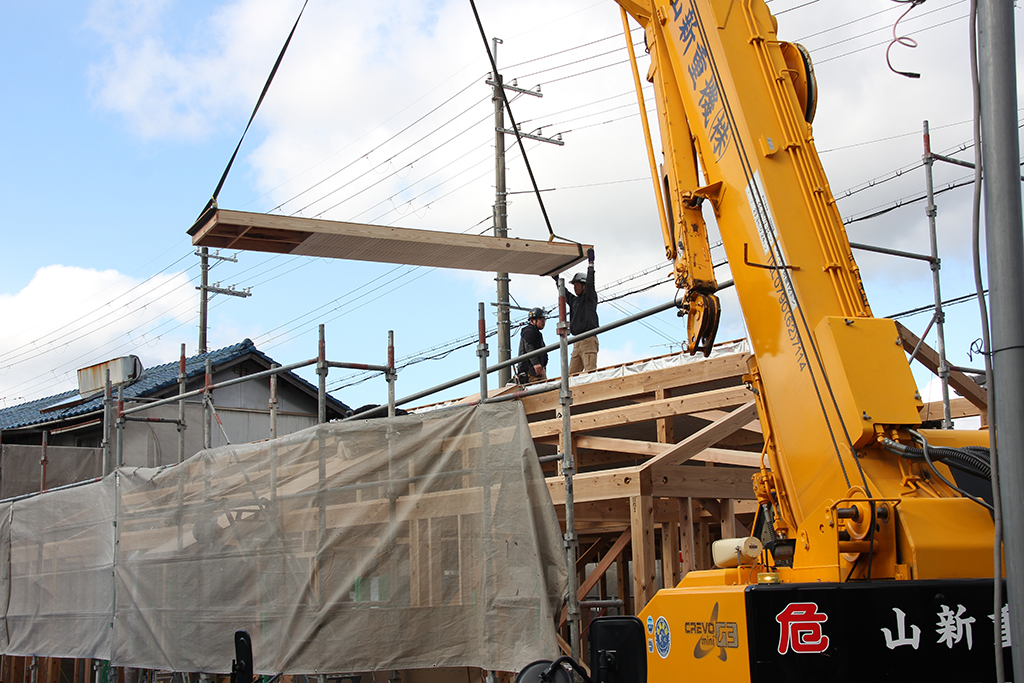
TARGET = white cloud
(68,318)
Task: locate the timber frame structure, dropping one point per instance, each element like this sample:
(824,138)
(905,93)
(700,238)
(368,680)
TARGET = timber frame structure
(666,457)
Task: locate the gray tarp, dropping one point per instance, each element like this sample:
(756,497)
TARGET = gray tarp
(418,542)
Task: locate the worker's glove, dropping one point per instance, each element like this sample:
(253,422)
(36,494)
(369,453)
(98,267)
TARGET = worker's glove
(590,255)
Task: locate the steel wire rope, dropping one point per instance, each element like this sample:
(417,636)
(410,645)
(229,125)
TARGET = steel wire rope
(877,30)
(388,160)
(408,271)
(61,373)
(818,62)
(490,332)
(172,312)
(65,332)
(363,156)
(614,36)
(21,353)
(405,165)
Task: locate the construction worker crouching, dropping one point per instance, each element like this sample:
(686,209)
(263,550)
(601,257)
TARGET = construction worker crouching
(583,317)
(530,339)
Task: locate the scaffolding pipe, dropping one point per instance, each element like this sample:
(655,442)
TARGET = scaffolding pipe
(273,404)
(207,384)
(568,470)
(42,462)
(390,373)
(182,386)
(119,460)
(481,350)
(223,385)
(518,359)
(107,398)
(939,317)
(321,373)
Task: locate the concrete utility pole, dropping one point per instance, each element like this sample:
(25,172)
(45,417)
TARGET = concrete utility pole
(205,288)
(1004,231)
(501,205)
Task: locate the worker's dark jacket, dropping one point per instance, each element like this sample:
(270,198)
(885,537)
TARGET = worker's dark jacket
(530,339)
(583,308)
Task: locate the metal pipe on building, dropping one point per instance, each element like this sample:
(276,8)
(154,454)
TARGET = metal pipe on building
(1005,254)
(939,317)
(568,470)
(272,404)
(119,460)
(390,374)
(182,382)
(481,349)
(42,462)
(321,373)
(512,361)
(105,444)
(207,399)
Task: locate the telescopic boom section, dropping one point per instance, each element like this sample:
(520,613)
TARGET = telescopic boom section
(735,105)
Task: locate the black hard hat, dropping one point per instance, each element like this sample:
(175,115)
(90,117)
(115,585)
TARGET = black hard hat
(579,277)
(536,314)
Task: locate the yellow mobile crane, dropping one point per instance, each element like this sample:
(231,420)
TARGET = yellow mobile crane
(868,562)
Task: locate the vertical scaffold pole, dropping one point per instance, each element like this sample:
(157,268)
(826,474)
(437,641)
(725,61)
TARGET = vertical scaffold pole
(481,350)
(568,470)
(107,399)
(119,460)
(42,462)
(392,375)
(181,406)
(273,404)
(321,372)
(939,316)
(207,397)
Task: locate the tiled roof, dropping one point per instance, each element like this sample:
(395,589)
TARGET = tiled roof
(153,380)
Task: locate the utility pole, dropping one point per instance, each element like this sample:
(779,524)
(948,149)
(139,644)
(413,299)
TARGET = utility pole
(501,205)
(205,288)
(1005,250)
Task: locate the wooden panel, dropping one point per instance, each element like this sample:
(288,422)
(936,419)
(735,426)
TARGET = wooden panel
(612,417)
(360,242)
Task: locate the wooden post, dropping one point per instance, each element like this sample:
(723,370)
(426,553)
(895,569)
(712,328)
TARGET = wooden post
(728,518)
(666,432)
(641,514)
(622,581)
(670,554)
(685,536)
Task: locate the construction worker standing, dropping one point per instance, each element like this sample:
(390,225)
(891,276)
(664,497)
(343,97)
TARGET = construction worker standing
(531,339)
(583,317)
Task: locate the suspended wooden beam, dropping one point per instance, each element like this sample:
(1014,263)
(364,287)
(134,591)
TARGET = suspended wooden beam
(247,231)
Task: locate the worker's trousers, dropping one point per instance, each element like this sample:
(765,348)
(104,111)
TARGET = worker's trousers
(584,355)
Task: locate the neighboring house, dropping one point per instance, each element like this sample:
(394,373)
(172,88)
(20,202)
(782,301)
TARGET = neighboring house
(74,423)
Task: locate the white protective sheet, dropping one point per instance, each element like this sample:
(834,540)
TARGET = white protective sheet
(418,542)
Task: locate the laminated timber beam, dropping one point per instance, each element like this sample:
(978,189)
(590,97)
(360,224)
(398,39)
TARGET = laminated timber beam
(618,388)
(663,481)
(683,405)
(964,385)
(248,231)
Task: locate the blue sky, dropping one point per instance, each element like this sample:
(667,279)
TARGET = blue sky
(119,116)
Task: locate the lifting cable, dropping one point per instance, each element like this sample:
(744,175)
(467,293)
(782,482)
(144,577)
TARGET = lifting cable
(211,206)
(519,138)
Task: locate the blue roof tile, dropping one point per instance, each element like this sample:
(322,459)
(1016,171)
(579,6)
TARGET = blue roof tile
(153,380)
